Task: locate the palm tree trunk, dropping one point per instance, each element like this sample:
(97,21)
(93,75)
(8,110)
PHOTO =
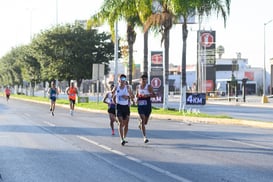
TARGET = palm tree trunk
(183,88)
(131,37)
(166,68)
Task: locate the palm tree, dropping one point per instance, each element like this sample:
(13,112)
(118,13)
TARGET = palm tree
(145,10)
(112,11)
(187,9)
(163,20)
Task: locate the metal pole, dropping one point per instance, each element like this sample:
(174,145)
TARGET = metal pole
(264,66)
(57,8)
(204,79)
(199,85)
(116,54)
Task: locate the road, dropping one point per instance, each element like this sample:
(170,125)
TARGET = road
(38,147)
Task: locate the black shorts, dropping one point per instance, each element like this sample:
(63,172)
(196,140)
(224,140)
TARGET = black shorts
(112,110)
(52,98)
(123,111)
(72,101)
(145,110)
(7,95)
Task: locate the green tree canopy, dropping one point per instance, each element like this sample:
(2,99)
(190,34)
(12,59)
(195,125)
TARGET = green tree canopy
(68,52)
(63,52)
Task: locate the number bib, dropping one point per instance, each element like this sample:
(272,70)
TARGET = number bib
(142,102)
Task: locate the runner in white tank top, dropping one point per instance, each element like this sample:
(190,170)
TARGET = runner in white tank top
(122,96)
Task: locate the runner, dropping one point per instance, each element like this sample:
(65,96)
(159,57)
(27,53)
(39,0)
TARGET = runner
(53,93)
(7,93)
(123,93)
(72,93)
(144,92)
(108,99)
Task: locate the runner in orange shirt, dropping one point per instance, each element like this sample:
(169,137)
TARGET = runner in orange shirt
(7,93)
(72,93)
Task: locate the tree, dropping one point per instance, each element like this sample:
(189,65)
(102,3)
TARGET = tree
(171,10)
(68,52)
(163,19)
(10,70)
(113,11)
(187,9)
(64,53)
(145,10)
(30,67)
(29,64)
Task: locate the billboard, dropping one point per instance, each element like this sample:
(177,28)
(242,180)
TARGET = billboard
(207,46)
(156,76)
(156,59)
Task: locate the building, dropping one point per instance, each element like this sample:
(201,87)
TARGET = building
(225,69)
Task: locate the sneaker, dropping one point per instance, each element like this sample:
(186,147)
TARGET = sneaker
(52,113)
(146,140)
(126,141)
(122,142)
(113,132)
(71,112)
(50,109)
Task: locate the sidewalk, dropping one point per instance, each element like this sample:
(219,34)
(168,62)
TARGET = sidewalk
(250,101)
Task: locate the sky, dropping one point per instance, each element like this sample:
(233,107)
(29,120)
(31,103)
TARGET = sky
(244,31)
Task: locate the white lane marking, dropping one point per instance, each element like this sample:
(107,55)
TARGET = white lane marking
(155,168)
(4,136)
(250,144)
(235,141)
(49,123)
(27,114)
(102,146)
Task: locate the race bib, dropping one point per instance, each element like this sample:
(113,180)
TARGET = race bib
(142,102)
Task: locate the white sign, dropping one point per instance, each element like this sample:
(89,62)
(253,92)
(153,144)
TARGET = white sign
(98,72)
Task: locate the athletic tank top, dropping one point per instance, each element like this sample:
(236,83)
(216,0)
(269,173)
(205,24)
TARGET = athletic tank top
(52,92)
(111,103)
(72,93)
(119,92)
(143,91)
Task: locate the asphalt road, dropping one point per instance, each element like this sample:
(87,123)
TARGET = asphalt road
(36,146)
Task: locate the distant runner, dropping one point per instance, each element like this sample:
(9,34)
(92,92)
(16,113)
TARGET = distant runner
(53,93)
(108,99)
(7,93)
(72,93)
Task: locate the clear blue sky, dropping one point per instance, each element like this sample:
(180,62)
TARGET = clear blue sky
(244,31)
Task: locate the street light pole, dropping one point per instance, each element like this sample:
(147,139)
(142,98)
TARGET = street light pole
(57,12)
(116,53)
(264,98)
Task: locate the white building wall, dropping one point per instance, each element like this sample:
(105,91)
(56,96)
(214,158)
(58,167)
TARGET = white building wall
(223,76)
(190,79)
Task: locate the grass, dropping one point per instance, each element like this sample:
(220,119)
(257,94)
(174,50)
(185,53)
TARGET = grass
(102,106)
